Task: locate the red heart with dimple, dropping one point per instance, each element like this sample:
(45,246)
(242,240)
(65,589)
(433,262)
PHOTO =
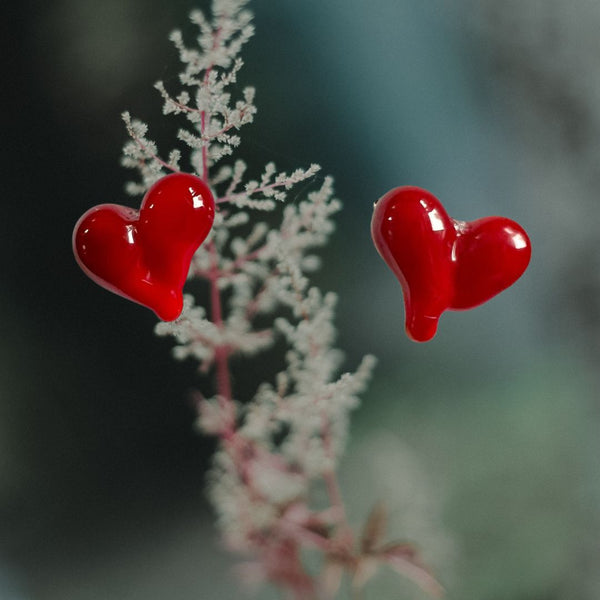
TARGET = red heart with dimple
(145,255)
(441,263)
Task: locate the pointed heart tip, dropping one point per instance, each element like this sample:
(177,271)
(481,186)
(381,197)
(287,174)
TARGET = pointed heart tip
(168,317)
(422,329)
(170,308)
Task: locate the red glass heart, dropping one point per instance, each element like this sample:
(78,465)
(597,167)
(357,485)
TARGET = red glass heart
(444,264)
(145,255)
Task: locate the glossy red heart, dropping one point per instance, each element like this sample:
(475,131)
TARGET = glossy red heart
(441,263)
(145,255)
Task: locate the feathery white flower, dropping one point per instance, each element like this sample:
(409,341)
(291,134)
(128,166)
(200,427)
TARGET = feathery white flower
(288,439)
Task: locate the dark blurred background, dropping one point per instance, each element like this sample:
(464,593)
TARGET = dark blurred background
(483,442)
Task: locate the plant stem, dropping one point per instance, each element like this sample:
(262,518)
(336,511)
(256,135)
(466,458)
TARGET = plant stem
(221,352)
(204,149)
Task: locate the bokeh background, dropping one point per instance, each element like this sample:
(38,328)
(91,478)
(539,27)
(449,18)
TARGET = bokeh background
(483,443)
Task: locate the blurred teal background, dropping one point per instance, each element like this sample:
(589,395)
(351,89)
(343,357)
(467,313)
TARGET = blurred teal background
(483,443)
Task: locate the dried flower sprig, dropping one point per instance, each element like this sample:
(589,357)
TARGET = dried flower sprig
(276,449)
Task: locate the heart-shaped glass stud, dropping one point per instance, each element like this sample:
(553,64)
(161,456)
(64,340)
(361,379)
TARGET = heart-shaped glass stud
(145,255)
(441,263)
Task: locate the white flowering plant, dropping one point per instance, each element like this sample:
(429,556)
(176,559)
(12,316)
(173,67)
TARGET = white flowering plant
(277,451)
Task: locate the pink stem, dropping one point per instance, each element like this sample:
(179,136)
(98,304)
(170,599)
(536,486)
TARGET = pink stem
(157,158)
(330,477)
(221,352)
(216,37)
(257,190)
(204,149)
